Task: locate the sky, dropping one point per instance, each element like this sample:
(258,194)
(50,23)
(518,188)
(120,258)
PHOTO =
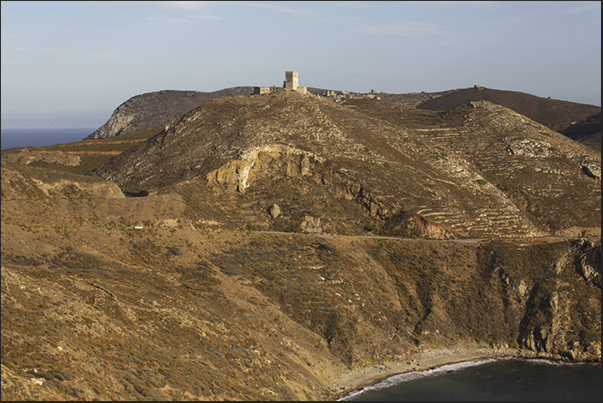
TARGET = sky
(78,61)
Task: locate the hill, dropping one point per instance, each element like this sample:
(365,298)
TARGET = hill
(575,120)
(478,170)
(261,247)
(156,109)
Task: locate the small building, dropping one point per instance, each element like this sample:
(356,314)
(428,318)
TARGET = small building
(261,90)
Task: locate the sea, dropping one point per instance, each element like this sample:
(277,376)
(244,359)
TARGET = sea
(508,379)
(11,138)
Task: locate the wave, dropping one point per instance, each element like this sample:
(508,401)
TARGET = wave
(411,376)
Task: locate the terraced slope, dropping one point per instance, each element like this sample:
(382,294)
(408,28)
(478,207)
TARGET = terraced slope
(577,121)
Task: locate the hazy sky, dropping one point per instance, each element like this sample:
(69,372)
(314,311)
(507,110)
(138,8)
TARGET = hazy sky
(86,58)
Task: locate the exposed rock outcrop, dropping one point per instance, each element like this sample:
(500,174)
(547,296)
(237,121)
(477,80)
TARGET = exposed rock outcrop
(239,174)
(408,225)
(588,262)
(312,225)
(592,169)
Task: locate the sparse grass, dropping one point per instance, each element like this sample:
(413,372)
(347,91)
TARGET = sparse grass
(371,227)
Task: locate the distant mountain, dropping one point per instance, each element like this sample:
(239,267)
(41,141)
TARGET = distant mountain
(156,109)
(577,121)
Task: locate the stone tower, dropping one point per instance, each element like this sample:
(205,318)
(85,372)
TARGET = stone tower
(291,80)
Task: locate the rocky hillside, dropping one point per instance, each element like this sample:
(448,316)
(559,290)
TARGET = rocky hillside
(260,247)
(480,170)
(156,109)
(577,121)
(94,309)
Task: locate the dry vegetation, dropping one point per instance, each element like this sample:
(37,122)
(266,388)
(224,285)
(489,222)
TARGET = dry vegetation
(199,304)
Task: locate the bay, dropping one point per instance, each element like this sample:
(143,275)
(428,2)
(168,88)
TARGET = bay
(42,137)
(507,379)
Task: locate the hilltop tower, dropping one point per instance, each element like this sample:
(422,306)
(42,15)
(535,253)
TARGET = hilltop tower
(291,80)
(291,83)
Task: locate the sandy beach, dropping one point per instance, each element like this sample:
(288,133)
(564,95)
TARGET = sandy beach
(360,378)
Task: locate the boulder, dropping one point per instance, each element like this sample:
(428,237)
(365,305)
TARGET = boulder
(274,210)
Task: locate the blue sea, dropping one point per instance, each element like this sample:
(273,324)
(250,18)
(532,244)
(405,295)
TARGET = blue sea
(42,137)
(491,380)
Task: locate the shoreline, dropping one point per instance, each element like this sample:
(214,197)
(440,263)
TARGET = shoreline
(360,378)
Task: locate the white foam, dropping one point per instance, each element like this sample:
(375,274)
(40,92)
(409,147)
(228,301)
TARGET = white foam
(410,376)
